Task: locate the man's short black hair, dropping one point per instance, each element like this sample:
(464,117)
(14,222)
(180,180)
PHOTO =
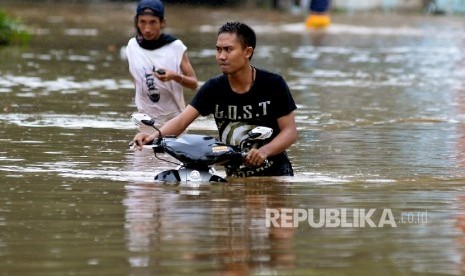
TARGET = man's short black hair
(244,33)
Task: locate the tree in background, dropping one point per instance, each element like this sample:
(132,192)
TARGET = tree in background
(11,31)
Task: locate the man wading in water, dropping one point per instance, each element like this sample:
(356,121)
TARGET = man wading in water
(241,98)
(159,65)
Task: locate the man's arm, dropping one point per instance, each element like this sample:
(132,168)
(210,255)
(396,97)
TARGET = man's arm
(187,77)
(286,137)
(175,126)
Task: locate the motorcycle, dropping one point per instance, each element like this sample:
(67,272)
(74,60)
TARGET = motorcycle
(199,154)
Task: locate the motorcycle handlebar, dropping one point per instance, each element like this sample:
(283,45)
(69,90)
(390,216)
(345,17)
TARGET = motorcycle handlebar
(149,146)
(157,147)
(244,155)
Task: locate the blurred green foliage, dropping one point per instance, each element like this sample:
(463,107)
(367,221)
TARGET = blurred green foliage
(11,31)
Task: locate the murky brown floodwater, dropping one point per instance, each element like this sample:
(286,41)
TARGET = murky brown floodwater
(382,125)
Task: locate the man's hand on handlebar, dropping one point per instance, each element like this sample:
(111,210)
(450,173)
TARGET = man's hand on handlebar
(141,139)
(255,158)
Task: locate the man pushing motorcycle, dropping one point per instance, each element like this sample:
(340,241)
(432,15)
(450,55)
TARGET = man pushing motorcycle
(240,99)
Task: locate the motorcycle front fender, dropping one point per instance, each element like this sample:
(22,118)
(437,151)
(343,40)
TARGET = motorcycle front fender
(188,175)
(168,176)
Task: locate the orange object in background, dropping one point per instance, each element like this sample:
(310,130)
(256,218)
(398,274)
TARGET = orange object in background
(317,21)
(318,14)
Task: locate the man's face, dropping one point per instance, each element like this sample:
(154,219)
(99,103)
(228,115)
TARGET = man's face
(229,53)
(150,26)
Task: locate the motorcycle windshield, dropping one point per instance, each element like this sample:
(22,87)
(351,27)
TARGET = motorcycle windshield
(199,150)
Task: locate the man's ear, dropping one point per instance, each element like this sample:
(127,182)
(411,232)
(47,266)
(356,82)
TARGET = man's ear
(135,23)
(163,23)
(249,52)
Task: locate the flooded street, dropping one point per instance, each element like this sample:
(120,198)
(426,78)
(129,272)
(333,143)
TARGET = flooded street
(380,160)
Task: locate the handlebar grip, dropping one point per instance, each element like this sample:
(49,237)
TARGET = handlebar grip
(244,155)
(131,146)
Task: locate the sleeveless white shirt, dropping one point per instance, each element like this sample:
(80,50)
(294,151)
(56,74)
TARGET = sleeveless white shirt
(168,96)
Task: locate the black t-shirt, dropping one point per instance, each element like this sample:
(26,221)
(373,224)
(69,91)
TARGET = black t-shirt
(236,114)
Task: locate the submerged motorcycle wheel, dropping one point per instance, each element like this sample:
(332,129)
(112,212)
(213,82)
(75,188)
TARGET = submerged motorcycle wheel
(216,178)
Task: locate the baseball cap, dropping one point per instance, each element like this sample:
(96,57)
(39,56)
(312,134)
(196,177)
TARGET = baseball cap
(156,6)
